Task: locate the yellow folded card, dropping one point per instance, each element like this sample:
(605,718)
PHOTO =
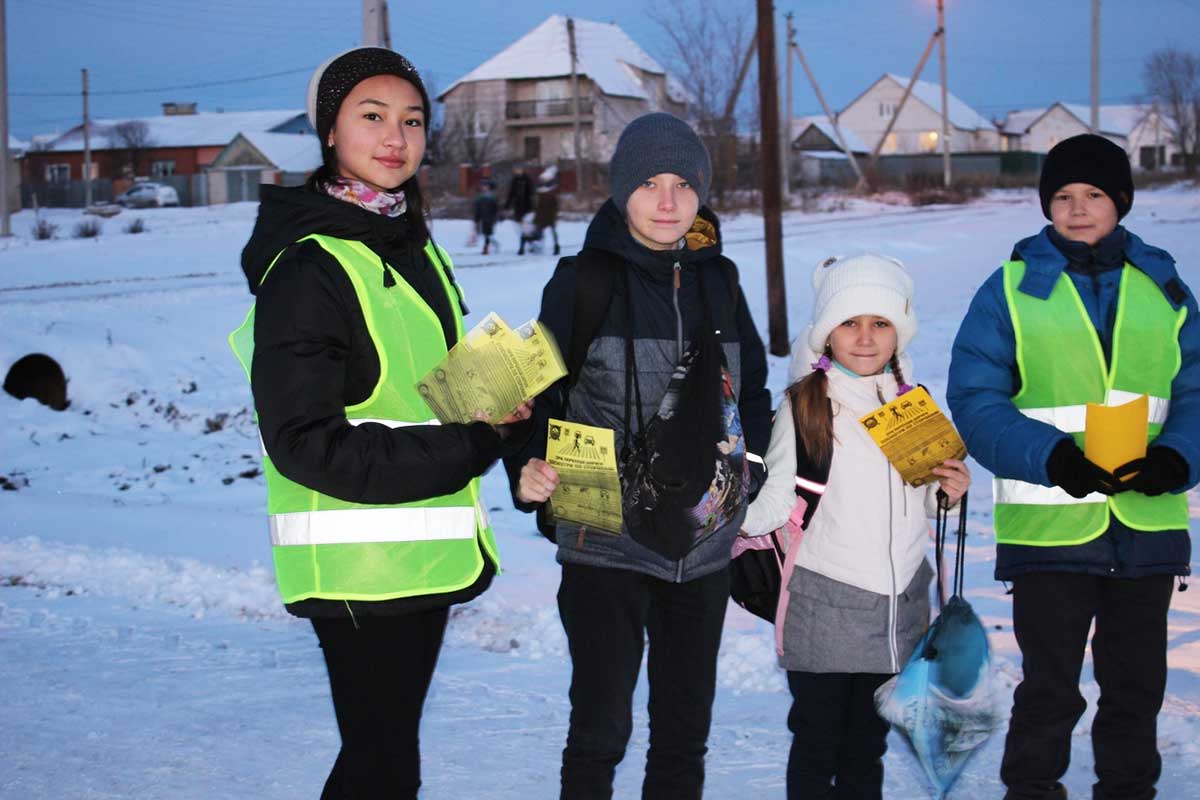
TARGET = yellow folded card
(1116,435)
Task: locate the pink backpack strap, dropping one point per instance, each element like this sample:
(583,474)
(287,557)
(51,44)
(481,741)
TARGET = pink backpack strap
(794,531)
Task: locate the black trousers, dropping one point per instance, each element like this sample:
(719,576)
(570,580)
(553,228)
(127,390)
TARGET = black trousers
(838,740)
(608,614)
(379,673)
(1052,612)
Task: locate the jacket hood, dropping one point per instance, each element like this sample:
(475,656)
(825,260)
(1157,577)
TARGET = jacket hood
(608,231)
(286,214)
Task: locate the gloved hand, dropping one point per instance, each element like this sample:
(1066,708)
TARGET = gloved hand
(1161,470)
(1068,468)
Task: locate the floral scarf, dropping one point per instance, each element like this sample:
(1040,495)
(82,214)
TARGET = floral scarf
(389,204)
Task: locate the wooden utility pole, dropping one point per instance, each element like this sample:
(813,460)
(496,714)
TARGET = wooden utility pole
(768,94)
(374,23)
(87,146)
(579,182)
(837,131)
(786,144)
(941,9)
(1095,123)
(5,164)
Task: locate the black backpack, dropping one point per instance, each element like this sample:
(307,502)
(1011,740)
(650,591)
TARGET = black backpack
(596,272)
(755,576)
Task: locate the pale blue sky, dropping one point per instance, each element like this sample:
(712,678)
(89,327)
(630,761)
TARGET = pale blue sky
(1002,55)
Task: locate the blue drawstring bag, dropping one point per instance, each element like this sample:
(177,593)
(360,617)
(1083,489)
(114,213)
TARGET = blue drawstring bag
(942,700)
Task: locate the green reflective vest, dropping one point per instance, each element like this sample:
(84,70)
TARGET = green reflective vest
(335,549)
(1062,369)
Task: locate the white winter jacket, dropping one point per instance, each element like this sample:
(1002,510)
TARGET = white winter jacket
(871,529)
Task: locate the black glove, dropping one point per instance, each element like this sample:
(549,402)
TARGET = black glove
(1069,469)
(1161,470)
(758,476)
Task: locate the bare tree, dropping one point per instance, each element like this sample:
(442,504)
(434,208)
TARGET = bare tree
(1172,80)
(709,41)
(471,130)
(133,136)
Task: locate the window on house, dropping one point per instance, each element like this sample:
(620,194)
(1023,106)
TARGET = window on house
(58,173)
(887,109)
(533,148)
(161,169)
(890,144)
(929,141)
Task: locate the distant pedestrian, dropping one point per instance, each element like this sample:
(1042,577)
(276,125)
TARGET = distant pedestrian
(545,212)
(486,212)
(519,200)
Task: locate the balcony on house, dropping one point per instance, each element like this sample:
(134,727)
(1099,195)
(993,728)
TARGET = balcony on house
(547,111)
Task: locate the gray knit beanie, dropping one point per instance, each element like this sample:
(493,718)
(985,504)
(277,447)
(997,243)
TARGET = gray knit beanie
(653,144)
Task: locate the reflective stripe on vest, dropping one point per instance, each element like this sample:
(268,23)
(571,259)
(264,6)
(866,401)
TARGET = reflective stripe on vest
(1062,369)
(336,549)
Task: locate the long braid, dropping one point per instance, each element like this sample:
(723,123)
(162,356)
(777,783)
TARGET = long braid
(894,363)
(810,413)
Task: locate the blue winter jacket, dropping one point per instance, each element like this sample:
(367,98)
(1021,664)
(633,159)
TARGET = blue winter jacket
(984,377)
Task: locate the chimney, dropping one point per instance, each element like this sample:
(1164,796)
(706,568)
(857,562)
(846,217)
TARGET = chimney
(178,109)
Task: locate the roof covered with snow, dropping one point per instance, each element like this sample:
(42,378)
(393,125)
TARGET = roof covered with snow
(206,128)
(16,146)
(822,123)
(1116,120)
(289,152)
(961,115)
(604,54)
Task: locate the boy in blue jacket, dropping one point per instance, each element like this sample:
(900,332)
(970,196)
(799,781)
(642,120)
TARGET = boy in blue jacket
(1084,312)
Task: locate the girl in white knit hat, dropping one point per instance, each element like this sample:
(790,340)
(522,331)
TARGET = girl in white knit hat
(857,599)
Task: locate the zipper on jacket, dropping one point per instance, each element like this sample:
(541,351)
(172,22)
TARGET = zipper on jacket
(892,599)
(679,571)
(678,270)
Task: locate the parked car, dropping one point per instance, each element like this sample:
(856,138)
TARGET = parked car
(148,193)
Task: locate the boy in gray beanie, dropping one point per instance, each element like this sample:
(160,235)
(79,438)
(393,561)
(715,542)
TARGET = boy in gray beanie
(649,282)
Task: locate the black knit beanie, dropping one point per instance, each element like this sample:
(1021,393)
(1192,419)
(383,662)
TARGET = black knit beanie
(1092,159)
(656,143)
(338,76)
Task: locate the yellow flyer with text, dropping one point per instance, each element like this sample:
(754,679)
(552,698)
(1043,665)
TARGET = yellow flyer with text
(589,489)
(915,436)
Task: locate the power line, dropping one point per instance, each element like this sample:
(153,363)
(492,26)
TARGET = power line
(203,85)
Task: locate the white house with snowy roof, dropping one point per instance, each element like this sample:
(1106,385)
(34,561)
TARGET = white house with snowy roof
(518,105)
(918,129)
(1140,129)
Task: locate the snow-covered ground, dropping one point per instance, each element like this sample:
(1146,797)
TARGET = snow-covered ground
(143,650)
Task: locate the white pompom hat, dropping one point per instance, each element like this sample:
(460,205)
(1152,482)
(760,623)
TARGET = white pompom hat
(848,286)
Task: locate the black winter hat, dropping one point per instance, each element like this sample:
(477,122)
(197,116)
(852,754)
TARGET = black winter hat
(338,76)
(654,143)
(1088,158)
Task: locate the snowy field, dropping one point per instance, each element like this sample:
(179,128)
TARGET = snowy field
(143,650)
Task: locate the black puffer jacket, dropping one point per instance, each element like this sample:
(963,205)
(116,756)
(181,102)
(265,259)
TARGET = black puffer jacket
(313,357)
(660,332)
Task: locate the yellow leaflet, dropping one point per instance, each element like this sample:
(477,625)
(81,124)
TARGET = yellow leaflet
(1116,435)
(589,490)
(492,370)
(915,436)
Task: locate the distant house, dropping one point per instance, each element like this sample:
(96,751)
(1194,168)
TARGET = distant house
(918,129)
(180,142)
(1139,129)
(518,105)
(256,157)
(816,134)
